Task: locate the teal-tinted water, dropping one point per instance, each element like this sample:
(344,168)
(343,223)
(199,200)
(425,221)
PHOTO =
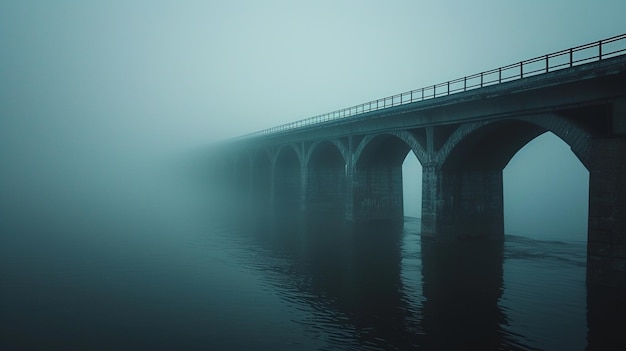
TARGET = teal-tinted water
(238,283)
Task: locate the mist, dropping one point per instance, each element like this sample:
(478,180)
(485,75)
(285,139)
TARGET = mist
(98,97)
(108,108)
(105,105)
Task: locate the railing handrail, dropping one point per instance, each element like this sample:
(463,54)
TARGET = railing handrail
(431,91)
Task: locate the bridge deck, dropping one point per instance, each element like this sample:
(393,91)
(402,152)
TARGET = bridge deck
(604,57)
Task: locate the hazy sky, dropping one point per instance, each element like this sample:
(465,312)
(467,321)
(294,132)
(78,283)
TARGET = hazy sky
(121,81)
(163,72)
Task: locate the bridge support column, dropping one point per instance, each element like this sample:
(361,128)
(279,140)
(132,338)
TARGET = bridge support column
(606,244)
(272,191)
(377,193)
(303,186)
(350,190)
(326,189)
(429,199)
(462,204)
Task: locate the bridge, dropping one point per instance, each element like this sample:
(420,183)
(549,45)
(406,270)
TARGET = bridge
(463,132)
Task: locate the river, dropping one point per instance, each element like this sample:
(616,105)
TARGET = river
(183,278)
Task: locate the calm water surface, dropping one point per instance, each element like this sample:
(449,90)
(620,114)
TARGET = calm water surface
(232,282)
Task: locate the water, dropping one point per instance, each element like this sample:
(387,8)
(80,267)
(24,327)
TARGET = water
(212,280)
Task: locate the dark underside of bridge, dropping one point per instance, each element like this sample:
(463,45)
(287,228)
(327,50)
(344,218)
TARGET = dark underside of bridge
(353,166)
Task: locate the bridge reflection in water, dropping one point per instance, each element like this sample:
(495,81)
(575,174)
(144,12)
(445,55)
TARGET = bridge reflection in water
(386,287)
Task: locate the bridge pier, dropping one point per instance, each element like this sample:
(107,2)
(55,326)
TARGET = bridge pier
(350,181)
(303,186)
(462,204)
(606,244)
(378,193)
(325,183)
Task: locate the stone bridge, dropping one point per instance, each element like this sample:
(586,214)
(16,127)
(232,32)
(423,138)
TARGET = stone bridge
(463,132)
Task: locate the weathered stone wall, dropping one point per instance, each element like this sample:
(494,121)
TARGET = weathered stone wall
(462,204)
(378,193)
(606,254)
(326,187)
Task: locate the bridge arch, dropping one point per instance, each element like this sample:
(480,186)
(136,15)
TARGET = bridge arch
(493,143)
(378,183)
(326,176)
(287,148)
(405,136)
(465,188)
(341,148)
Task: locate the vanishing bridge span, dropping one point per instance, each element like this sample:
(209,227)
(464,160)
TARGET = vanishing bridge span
(463,132)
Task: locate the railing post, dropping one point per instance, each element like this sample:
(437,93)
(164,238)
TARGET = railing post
(499,74)
(547,63)
(435,91)
(422,93)
(571,55)
(481,79)
(465,83)
(411,95)
(600,50)
(521,69)
(448,87)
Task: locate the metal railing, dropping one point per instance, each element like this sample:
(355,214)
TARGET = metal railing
(591,52)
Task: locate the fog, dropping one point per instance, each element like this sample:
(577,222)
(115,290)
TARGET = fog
(108,107)
(98,98)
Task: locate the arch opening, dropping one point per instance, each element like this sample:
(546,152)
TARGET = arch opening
(490,147)
(326,179)
(378,191)
(546,192)
(412,186)
(469,202)
(472,184)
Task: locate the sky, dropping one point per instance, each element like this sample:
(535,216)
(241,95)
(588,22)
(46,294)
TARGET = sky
(93,88)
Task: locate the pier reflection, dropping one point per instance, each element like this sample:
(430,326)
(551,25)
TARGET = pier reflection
(606,318)
(353,273)
(462,283)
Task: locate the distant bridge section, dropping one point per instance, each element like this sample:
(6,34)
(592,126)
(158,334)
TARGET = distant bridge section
(463,132)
